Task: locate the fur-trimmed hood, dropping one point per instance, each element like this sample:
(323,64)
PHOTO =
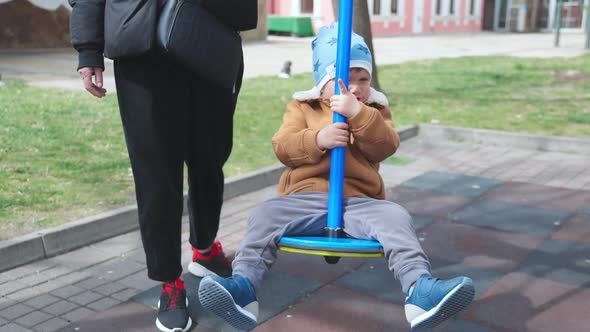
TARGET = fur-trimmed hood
(315,93)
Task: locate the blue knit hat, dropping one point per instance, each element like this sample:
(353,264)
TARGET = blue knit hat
(324,63)
(324,54)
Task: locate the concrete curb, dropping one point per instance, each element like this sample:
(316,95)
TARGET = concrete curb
(58,240)
(501,138)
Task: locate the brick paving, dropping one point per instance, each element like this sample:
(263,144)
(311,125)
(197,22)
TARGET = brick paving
(516,221)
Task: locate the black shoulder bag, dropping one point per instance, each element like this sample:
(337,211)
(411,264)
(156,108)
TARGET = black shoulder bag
(201,41)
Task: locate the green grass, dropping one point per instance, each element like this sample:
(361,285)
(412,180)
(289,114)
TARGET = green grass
(536,96)
(63,156)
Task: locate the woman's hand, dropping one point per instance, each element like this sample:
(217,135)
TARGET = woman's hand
(333,135)
(345,103)
(95,88)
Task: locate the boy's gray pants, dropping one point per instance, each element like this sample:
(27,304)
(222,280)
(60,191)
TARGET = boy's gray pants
(305,214)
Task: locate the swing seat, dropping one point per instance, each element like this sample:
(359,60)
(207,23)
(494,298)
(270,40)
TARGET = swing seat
(331,247)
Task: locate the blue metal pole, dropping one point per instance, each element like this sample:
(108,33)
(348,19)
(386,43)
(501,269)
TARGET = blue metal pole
(335,194)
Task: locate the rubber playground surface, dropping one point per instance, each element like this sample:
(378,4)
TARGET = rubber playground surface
(526,247)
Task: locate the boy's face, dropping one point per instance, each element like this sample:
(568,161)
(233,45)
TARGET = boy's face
(359,83)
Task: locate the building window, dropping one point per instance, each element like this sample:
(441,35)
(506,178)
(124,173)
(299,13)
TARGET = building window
(376,7)
(451,7)
(438,7)
(307,6)
(471,7)
(394,7)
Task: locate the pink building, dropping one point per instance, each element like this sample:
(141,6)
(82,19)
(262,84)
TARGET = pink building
(391,17)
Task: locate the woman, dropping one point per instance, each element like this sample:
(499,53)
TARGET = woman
(170,117)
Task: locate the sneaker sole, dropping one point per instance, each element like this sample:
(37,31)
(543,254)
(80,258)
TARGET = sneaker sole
(177,329)
(457,300)
(217,299)
(199,270)
(163,328)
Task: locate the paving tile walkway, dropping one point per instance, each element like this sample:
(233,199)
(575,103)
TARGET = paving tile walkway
(56,67)
(516,221)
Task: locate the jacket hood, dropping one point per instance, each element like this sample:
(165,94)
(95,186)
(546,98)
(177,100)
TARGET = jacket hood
(375,96)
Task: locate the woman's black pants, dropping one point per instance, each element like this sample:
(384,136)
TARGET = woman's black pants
(171,117)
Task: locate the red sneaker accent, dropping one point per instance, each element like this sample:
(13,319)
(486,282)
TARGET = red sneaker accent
(216,250)
(213,262)
(173,288)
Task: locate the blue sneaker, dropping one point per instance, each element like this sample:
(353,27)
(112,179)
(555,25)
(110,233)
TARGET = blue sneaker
(232,299)
(431,301)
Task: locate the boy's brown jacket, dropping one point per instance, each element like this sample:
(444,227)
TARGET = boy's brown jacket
(373,138)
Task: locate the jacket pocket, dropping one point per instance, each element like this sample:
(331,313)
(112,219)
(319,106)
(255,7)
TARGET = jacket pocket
(287,180)
(375,169)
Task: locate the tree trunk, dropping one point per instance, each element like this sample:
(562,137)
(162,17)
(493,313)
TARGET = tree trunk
(336,8)
(361,24)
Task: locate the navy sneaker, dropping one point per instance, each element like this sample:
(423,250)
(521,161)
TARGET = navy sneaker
(431,301)
(172,308)
(232,299)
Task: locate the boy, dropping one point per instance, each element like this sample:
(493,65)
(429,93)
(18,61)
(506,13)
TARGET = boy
(302,144)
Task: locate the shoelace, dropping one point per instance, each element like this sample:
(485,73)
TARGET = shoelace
(174,291)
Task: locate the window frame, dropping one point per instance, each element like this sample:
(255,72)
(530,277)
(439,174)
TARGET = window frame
(385,7)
